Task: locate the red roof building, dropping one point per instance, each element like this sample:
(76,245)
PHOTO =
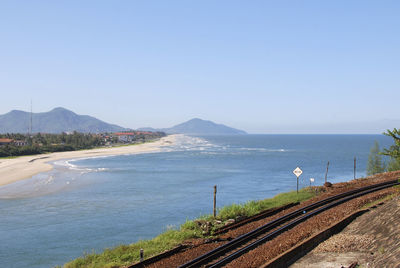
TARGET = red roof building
(4,141)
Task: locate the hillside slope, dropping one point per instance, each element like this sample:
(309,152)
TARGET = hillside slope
(55,121)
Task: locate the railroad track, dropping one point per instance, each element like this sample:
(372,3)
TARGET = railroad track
(246,242)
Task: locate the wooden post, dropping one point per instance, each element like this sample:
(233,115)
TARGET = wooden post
(215,201)
(141,255)
(355,167)
(326,174)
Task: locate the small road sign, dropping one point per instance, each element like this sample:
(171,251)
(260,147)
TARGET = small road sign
(297,171)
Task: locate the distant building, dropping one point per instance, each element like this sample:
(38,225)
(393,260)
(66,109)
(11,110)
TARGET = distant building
(20,143)
(125,137)
(4,141)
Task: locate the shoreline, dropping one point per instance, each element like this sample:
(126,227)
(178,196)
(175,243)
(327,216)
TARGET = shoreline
(25,167)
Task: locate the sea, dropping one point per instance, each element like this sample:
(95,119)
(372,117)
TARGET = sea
(87,205)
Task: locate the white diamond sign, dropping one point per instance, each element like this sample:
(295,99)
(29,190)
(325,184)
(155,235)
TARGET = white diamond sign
(297,171)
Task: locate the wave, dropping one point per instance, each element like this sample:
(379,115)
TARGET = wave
(82,169)
(189,143)
(265,149)
(39,185)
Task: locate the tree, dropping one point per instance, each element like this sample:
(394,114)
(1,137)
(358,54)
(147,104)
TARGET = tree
(394,151)
(393,165)
(375,164)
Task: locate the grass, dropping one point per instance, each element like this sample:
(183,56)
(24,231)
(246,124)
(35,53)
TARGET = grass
(253,207)
(383,199)
(375,202)
(127,254)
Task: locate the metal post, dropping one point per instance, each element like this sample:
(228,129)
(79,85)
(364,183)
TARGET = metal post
(326,174)
(215,201)
(355,167)
(297,172)
(141,255)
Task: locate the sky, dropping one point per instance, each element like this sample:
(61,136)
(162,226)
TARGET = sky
(261,66)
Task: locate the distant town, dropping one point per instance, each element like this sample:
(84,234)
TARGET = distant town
(15,144)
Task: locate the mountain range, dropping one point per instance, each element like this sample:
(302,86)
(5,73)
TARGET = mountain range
(199,127)
(55,121)
(62,120)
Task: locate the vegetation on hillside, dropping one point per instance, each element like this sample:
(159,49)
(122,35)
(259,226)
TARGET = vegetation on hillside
(46,143)
(128,254)
(375,162)
(394,151)
(55,121)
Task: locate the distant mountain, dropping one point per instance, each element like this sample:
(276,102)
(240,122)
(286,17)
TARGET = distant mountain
(56,121)
(150,129)
(200,127)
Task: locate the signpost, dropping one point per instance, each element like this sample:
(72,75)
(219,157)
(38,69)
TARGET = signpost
(297,171)
(311,181)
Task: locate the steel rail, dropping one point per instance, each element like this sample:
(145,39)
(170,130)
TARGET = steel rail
(290,225)
(213,254)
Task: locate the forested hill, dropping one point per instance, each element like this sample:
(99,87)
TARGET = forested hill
(55,121)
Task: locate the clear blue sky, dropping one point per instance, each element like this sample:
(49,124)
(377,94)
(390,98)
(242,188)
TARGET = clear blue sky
(261,66)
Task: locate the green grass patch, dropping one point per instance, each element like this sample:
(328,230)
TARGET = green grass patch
(10,157)
(128,254)
(383,199)
(253,207)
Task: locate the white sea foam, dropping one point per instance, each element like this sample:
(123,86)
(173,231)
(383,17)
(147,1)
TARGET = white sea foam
(68,164)
(264,149)
(189,143)
(38,185)
(49,180)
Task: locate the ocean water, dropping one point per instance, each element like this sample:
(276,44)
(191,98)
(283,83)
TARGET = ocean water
(90,204)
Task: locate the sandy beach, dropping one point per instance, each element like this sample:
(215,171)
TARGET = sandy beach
(24,167)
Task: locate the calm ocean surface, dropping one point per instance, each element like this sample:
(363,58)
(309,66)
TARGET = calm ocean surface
(91,204)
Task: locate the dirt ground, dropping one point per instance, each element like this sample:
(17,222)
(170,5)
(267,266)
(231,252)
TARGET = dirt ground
(371,240)
(299,233)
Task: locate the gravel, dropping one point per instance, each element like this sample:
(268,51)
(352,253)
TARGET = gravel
(285,241)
